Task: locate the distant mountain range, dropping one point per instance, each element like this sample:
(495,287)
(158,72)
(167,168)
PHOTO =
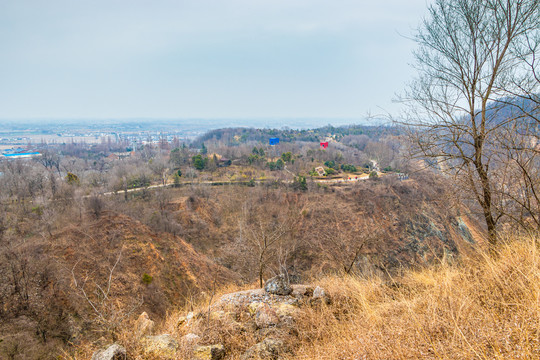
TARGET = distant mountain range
(514,108)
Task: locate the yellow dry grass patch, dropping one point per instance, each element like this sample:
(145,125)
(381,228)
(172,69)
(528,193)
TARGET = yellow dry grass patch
(482,308)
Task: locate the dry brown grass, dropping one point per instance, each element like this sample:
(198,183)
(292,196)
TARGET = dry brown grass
(482,308)
(479,308)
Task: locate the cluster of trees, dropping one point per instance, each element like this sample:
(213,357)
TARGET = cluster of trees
(333,167)
(258,158)
(239,136)
(275,165)
(331,164)
(353,145)
(279,164)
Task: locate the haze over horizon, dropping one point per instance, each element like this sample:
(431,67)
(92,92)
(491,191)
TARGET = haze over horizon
(204,59)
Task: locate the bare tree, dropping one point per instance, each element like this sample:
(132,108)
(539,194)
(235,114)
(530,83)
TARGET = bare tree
(474,57)
(108,313)
(50,160)
(344,237)
(95,205)
(158,166)
(520,174)
(267,233)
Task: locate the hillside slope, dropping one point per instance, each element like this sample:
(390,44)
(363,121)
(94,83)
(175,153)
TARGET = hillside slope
(366,226)
(480,308)
(174,266)
(85,280)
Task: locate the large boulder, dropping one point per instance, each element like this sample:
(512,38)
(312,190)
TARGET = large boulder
(209,352)
(113,352)
(278,285)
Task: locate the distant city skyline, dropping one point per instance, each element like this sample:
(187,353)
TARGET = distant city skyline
(235,59)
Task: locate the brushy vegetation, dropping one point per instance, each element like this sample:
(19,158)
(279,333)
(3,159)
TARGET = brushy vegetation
(477,308)
(481,308)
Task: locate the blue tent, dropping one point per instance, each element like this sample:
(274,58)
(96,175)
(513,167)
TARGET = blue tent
(274,141)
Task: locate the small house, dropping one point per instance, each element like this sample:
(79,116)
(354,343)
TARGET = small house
(224,162)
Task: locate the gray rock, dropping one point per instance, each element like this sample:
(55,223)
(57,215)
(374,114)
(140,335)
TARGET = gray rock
(319,295)
(278,285)
(319,292)
(113,352)
(301,291)
(267,349)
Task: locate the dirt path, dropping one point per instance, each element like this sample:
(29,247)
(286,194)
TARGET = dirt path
(217,183)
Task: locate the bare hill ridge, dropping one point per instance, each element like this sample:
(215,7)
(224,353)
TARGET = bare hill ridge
(175,267)
(89,277)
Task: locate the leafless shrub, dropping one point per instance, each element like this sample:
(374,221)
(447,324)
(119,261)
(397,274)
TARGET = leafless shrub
(95,205)
(108,314)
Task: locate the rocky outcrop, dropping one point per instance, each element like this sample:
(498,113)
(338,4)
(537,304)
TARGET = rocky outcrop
(268,313)
(265,306)
(144,326)
(298,294)
(113,352)
(278,285)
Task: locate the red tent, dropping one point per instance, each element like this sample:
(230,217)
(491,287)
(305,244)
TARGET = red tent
(324,145)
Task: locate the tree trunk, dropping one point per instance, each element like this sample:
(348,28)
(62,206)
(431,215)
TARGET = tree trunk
(487,208)
(261,274)
(261,266)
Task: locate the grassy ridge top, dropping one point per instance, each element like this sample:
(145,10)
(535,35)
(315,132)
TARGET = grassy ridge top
(481,308)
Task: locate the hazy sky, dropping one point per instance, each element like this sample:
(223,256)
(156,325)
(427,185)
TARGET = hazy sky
(203,58)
